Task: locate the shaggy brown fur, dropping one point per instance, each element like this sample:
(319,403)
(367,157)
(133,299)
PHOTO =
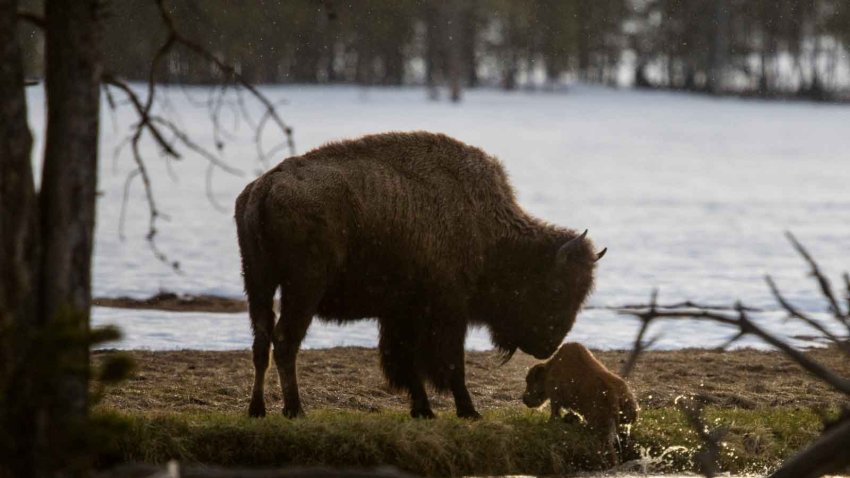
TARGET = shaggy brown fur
(575,380)
(419,231)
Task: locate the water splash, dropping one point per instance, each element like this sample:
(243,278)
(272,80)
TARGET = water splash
(647,463)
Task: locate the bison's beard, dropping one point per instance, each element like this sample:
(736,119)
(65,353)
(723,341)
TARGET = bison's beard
(505,355)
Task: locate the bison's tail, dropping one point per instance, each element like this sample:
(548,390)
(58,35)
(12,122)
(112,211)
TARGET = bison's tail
(250,216)
(258,274)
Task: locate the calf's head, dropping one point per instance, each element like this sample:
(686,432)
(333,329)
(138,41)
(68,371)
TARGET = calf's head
(535,389)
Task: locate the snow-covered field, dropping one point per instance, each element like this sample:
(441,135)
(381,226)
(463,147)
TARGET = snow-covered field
(691,194)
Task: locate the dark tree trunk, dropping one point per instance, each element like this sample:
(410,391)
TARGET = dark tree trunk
(470,44)
(47,240)
(17,191)
(18,254)
(719,48)
(69,179)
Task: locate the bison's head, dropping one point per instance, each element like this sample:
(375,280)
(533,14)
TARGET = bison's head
(545,293)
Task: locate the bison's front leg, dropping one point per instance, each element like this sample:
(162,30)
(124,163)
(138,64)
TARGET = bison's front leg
(298,305)
(447,361)
(463,401)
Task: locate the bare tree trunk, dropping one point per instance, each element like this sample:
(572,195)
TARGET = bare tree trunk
(69,179)
(452,15)
(719,47)
(18,252)
(17,191)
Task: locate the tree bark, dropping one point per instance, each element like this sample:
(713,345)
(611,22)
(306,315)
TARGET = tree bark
(18,247)
(69,179)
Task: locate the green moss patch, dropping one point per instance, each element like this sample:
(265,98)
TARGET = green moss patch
(509,441)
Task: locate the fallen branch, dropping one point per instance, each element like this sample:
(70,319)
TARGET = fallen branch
(829,452)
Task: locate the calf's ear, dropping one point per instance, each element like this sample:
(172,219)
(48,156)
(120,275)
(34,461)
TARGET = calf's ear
(537,373)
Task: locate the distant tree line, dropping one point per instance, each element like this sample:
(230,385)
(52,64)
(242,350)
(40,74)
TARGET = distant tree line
(757,47)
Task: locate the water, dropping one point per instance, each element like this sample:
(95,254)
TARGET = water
(690,194)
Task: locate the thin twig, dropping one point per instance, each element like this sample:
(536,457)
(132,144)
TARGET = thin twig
(677,305)
(640,346)
(847,290)
(823,282)
(160,128)
(143,112)
(708,458)
(228,70)
(796,313)
(746,326)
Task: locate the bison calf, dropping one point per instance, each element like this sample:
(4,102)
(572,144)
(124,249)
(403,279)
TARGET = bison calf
(418,231)
(573,379)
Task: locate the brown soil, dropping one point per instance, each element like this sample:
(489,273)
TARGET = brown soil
(350,378)
(176,302)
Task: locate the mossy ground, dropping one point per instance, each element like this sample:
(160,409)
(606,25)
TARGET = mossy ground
(192,405)
(505,442)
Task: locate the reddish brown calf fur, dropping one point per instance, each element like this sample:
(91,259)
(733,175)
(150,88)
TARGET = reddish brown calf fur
(574,379)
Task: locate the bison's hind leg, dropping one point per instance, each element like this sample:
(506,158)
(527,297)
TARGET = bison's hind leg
(397,345)
(260,290)
(260,302)
(260,287)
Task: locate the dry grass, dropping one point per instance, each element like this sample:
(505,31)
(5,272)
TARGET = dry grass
(191,405)
(349,379)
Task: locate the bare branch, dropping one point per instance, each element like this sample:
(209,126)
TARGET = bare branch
(731,341)
(796,313)
(746,326)
(200,150)
(677,305)
(228,70)
(708,458)
(826,455)
(640,346)
(823,282)
(144,117)
(170,136)
(127,182)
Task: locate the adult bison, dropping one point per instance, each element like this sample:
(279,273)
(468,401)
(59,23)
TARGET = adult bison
(417,230)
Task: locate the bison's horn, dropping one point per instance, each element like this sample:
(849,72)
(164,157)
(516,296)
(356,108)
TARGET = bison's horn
(568,247)
(601,254)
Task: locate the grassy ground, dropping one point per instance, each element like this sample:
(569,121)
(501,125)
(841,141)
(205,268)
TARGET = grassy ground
(191,405)
(511,441)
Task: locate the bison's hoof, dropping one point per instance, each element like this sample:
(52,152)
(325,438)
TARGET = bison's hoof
(257,410)
(469,414)
(295,412)
(424,413)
